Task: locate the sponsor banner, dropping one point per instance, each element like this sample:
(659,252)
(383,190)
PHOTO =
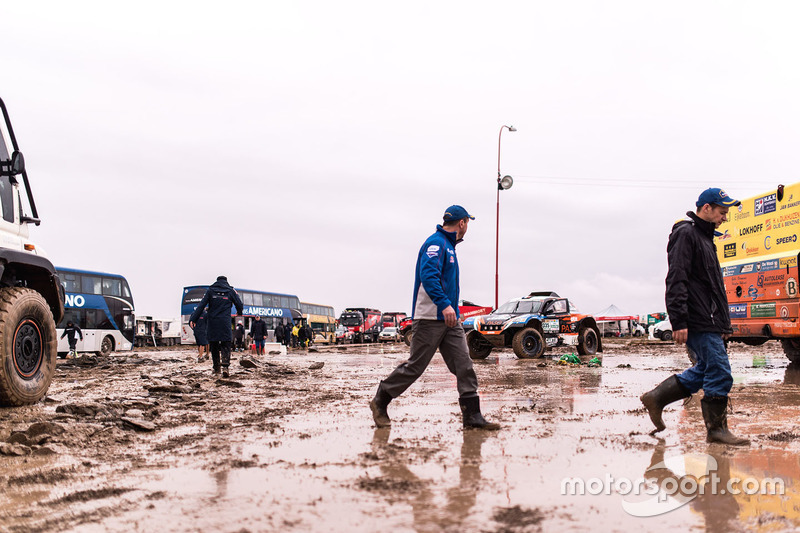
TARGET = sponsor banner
(765,204)
(550,326)
(730,250)
(762,310)
(738,310)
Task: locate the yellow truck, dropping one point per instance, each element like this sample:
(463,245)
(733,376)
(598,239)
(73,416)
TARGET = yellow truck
(758,251)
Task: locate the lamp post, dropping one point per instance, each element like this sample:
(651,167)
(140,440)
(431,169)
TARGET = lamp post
(502,184)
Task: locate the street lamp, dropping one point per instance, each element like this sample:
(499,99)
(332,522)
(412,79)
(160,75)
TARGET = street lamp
(503,184)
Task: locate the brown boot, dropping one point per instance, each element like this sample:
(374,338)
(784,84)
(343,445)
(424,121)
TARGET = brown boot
(668,391)
(716,418)
(472,417)
(378,407)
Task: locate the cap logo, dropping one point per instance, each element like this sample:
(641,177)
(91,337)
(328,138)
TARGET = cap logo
(722,194)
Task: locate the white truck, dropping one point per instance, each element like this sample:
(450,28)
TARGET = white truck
(31,295)
(157,331)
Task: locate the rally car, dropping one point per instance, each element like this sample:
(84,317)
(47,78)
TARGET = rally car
(530,325)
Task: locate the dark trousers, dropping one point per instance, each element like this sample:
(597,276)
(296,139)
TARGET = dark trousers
(239,343)
(72,343)
(427,337)
(225,348)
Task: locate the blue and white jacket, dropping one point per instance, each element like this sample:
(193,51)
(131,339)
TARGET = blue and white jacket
(436,280)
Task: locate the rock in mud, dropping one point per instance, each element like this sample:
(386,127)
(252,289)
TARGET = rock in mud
(248,363)
(139,424)
(82,409)
(316,366)
(41,428)
(174,389)
(230,383)
(18,438)
(14,449)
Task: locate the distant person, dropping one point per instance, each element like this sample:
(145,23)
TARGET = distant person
(219,298)
(697,306)
(309,335)
(200,336)
(436,325)
(279,333)
(302,335)
(287,334)
(70,331)
(238,336)
(258,330)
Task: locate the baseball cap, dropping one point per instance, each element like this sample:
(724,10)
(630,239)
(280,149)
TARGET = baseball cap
(715,196)
(456,212)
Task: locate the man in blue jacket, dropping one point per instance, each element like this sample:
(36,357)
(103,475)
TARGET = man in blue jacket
(219,298)
(436,325)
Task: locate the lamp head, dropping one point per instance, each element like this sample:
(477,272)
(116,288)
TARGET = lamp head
(512,128)
(505,183)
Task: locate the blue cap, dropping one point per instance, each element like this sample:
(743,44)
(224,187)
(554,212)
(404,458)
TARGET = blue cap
(456,212)
(716,196)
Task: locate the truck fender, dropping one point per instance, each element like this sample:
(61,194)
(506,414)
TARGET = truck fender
(35,272)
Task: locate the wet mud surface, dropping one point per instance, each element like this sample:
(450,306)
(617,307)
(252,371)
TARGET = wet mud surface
(152,441)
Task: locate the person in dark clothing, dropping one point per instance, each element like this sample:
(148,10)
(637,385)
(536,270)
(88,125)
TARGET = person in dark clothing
(70,332)
(436,325)
(238,336)
(698,311)
(219,298)
(309,335)
(287,334)
(200,337)
(302,335)
(279,333)
(258,330)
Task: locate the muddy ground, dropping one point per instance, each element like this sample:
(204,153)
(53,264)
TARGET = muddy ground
(151,441)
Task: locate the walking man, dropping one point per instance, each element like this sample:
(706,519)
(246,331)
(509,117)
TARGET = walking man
(258,330)
(238,336)
(219,298)
(70,332)
(436,325)
(698,310)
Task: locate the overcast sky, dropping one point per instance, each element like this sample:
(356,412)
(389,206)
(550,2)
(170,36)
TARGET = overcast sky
(310,147)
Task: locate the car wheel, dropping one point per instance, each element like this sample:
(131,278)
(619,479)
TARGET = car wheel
(407,336)
(587,341)
(528,343)
(478,347)
(666,336)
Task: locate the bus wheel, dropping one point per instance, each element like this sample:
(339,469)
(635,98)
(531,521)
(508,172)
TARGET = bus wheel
(107,346)
(28,346)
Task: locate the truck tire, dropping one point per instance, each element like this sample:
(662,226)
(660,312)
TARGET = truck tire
(528,343)
(107,346)
(791,347)
(666,335)
(479,348)
(28,346)
(587,341)
(407,336)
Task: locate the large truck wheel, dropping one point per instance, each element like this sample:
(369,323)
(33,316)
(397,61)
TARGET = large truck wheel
(407,336)
(479,348)
(527,343)
(791,347)
(28,346)
(587,341)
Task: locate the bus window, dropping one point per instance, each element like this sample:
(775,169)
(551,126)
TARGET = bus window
(71,282)
(247,298)
(126,291)
(269,301)
(257,299)
(91,285)
(112,287)
(284,301)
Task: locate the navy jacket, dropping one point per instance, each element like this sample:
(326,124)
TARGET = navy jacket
(258,330)
(70,331)
(696,298)
(436,281)
(219,298)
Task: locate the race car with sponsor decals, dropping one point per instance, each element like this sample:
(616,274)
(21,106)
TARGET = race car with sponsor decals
(758,253)
(532,324)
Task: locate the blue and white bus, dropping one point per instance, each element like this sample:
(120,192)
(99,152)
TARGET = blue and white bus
(274,308)
(102,306)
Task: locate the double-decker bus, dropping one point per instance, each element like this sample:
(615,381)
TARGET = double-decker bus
(102,306)
(322,320)
(274,308)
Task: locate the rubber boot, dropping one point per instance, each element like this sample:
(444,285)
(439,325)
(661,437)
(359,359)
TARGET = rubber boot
(668,391)
(471,411)
(378,407)
(716,418)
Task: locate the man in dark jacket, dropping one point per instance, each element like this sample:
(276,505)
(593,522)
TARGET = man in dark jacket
(287,334)
(70,332)
(436,325)
(219,298)
(258,330)
(238,337)
(279,333)
(698,311)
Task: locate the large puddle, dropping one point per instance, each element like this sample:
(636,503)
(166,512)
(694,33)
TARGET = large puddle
(299,452)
